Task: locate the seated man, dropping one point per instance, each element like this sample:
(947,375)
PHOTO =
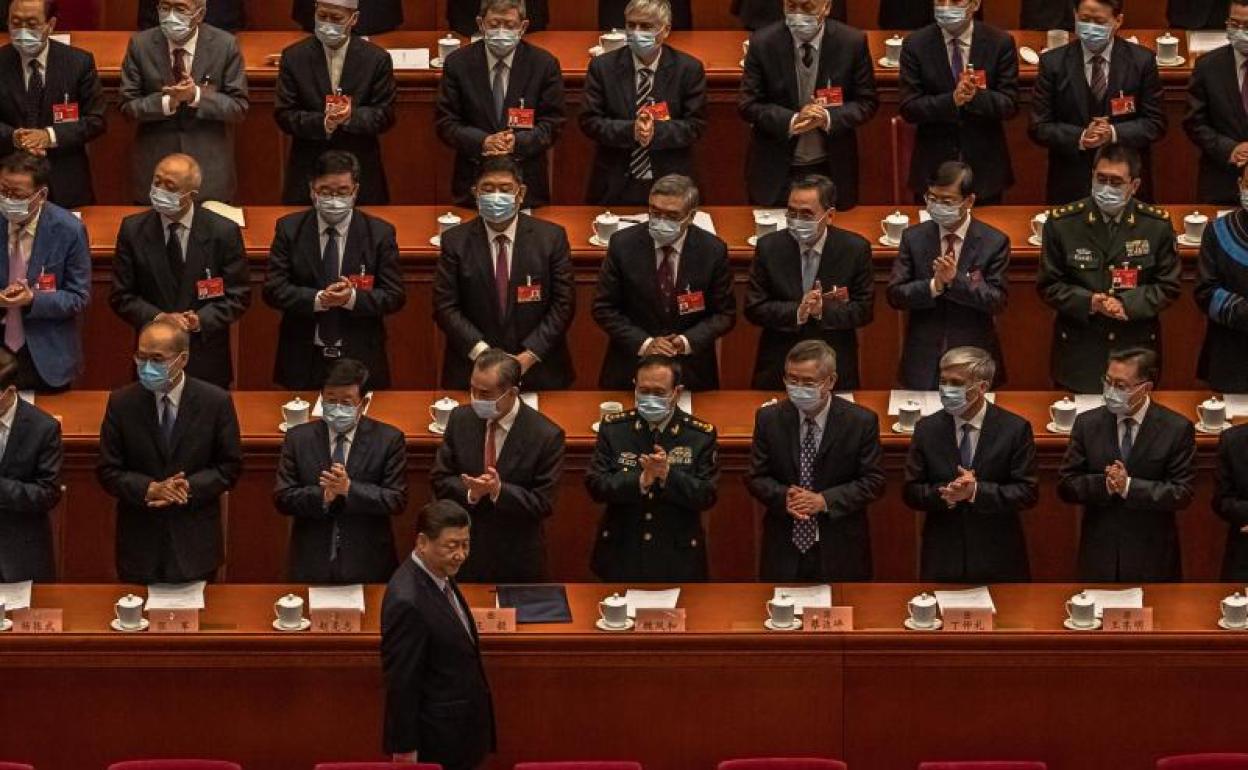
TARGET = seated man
(341,478)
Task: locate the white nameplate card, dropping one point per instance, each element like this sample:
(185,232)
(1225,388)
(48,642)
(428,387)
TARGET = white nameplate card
(184,621)
(44,620)
(656,620)
(967,620)
(336,621)
(824,620)
(1128,619)
(495,620)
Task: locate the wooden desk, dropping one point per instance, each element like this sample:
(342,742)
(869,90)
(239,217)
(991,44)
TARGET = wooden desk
(878,697)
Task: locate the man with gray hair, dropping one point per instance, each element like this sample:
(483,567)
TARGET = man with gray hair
(645,108)
(972,471)
(665,289)
(815,467)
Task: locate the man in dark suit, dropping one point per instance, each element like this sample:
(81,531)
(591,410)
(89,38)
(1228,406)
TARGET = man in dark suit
(335,92)
(1230,501)
(971,470)
(950,278)
(1217,113)
(54,104)
(756,14)
(1196,14)
(183,264)
(812,281)
(808,84)
(30,482)
(501,460)
(340,479)
(169,448)
(1222,296)
(45,269)
(500,96)
(645,108)
(815,467)
(504,280)
(1047,14)
(613,14)
(1097,90)
(665,289)
(376,16)
(334,275)
(1129,464)
(908,14)
(959,84)
(229,15)
(438,703)
(656,469)
(461,15)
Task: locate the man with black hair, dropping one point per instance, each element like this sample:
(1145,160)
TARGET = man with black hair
(1217,112)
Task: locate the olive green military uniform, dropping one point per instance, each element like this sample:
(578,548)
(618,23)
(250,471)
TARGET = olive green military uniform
(655,535)
(1085,254)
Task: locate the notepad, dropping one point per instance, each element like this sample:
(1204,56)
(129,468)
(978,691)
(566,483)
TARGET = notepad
(805,596)
(410,58)
(660,600)
(15,596)
(232,213)
(530,400)
(336,597)
(968,599)
(1128,599)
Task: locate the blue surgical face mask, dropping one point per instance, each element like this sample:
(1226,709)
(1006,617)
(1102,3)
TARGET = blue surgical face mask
(804,26)
(331,34)
(1117,400)
(497,207)
(653,409)
(665,231)
(156,376)
(501,41)
(1094,36)
(954,399)
(1239,39)
(176,26)
(807,398)
(951,18)
(334,208)
(28,42)
(487,409)
(642,42)
(804,231)
(1109,199)
(341,418)
(947,215)
(17,210)
(166,202)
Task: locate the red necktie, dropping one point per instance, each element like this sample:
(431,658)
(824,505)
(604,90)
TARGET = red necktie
(502,276)
(179,64)
(667,281)
(491,453)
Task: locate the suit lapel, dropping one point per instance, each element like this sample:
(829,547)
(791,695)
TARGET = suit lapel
(480,77)
(1119,61)
(987,433)
(200,64)
(474,433)
(11,73)
(351,258)
(1078,81)
(484,256)
(788,69)
(970,249)
(39,248)
(979,51)
(361,447)
(196,260)
(662,76)
(520,269)
(20,427)
(1143,434)
(320,66)
(514,444)
(831,426)
(939,57)
(188,408)
(154,234)
(627,78)
(516,80)
(436,597)
(684,279)
(1231,91)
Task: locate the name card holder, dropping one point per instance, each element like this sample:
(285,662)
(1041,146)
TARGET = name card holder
(44,620)
(174,621)
(328,621)
(967,621)
(651,620)
(1127,620)
(495,620)
(826,620)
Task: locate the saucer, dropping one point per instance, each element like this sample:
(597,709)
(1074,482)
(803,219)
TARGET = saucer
(594,427)
(741,64)
(1052,428)
(304,625)
(435,429)
(1035,241)
(1177,61)
(752,240)
(933,627)
(1029,55)
(1222,625)
(601,625)
(596,50)
(284,426)
(898,429)
(1185,241)
(115,624)
(594,240)
(436,241)
(797,625)
(6,624)
(1211,430)
(1067,623)
(884,241)
(886,64)
(436,62)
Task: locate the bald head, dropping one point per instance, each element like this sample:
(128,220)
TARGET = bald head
(163,341)
(178,173)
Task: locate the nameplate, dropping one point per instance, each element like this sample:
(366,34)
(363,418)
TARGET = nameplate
(967,621)
(174,621)
(1124,619)
(495,620)
(652,620)
(336,621)
(44,620)
(823,620)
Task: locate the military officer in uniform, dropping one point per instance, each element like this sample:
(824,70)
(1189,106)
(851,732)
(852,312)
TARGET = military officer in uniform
(1108,266)
(656,469)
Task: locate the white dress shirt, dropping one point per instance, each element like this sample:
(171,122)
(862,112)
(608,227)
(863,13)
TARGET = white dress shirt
(493,235)
(976,422)
(491,60)
(24,236)
(816,258)
(964,43)
(175,398)
(1138,417)
(960,234)
(166,102)
(42,58)
(184,232)
(677,246)
(6,425)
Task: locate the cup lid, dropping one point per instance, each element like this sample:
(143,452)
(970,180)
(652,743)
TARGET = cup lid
(897,216)
(446,402)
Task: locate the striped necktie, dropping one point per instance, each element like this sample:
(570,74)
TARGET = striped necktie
(639,161)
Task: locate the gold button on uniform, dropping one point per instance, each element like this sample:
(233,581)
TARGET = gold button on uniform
(647,537)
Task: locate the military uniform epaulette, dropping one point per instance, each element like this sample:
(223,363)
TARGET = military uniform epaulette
(1150,210)
(1068,210)
(696,424)
(615,417)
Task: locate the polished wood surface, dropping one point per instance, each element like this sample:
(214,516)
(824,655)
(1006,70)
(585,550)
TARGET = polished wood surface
(878,697)
(257,535)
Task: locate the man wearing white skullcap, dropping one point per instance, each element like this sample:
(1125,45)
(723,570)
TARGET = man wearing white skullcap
(376,16)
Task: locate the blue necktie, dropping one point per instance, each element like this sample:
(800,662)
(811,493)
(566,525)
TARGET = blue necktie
(804,530)
(1128,438)
(964,446)
(340,458)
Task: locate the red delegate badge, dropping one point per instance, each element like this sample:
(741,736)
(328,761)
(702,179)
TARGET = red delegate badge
(1125,277)
(521,117)
(45,282)
(831,96)
(690,302)
(66,112)
(210,288)
(658,111)
(1122,105)
(529,292)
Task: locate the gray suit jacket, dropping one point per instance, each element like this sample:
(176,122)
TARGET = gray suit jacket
(206,132)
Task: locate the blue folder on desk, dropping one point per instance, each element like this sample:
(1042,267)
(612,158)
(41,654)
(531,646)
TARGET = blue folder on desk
(537,603)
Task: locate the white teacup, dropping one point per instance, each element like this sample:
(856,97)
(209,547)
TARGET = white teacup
(765,223)
(923,610)
(892,50)
(441,409)
(894,225)
(1037,224)
(447,221)
(1063,413)
(295,411)
(908,414)
(782,612)
(289,611)
(1167,47)
(1235,610)
(1194,225)
(608,408)
(614,611)
(745,48)
(129,611)
(612,40)
(447,45)
(1081,610)
(1056,38)
(605,225)
(1212,412)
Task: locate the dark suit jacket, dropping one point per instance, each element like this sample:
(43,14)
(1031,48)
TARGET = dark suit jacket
(1047,14)
(438,701)
(376,16)
(360,521)
(847,473)
(611,14)
(465,301)
(294,279)
(30,487)
(775,291)
(973,133)
(609,114)
(1131,540)
(302,85)
(627,306)
(1216,123)
(508,536)
(756,14)
(1063,106)
(229,15)
(1222,296)
(461,15)
(143,286)
(769,98)
(1197,14)
(70,74)
(962,314)
(1230,500)
(179,542)
(980,541)
(465,114)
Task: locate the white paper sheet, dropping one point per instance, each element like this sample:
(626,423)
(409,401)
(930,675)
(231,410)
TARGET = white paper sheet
(969,599)
(61,37)
(805,596)
(928,400)
(27,395)
(664,600)
(1236,404)
(685,402)
(410,58)
(700,218)
(319,411)
(846,396)
(779,216)
(176,596)
(336,597)
(1203,42)
(1128,598)
(232,213)
(15,596)
(924,216)
(1085,402)
(530,400)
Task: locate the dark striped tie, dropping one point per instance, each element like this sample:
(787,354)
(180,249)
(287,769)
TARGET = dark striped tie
(639,162)
(1100,80)
(34,96)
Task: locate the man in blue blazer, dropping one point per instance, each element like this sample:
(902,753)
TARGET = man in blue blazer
(45,272)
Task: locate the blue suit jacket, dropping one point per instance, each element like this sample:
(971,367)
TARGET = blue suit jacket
(51,321)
